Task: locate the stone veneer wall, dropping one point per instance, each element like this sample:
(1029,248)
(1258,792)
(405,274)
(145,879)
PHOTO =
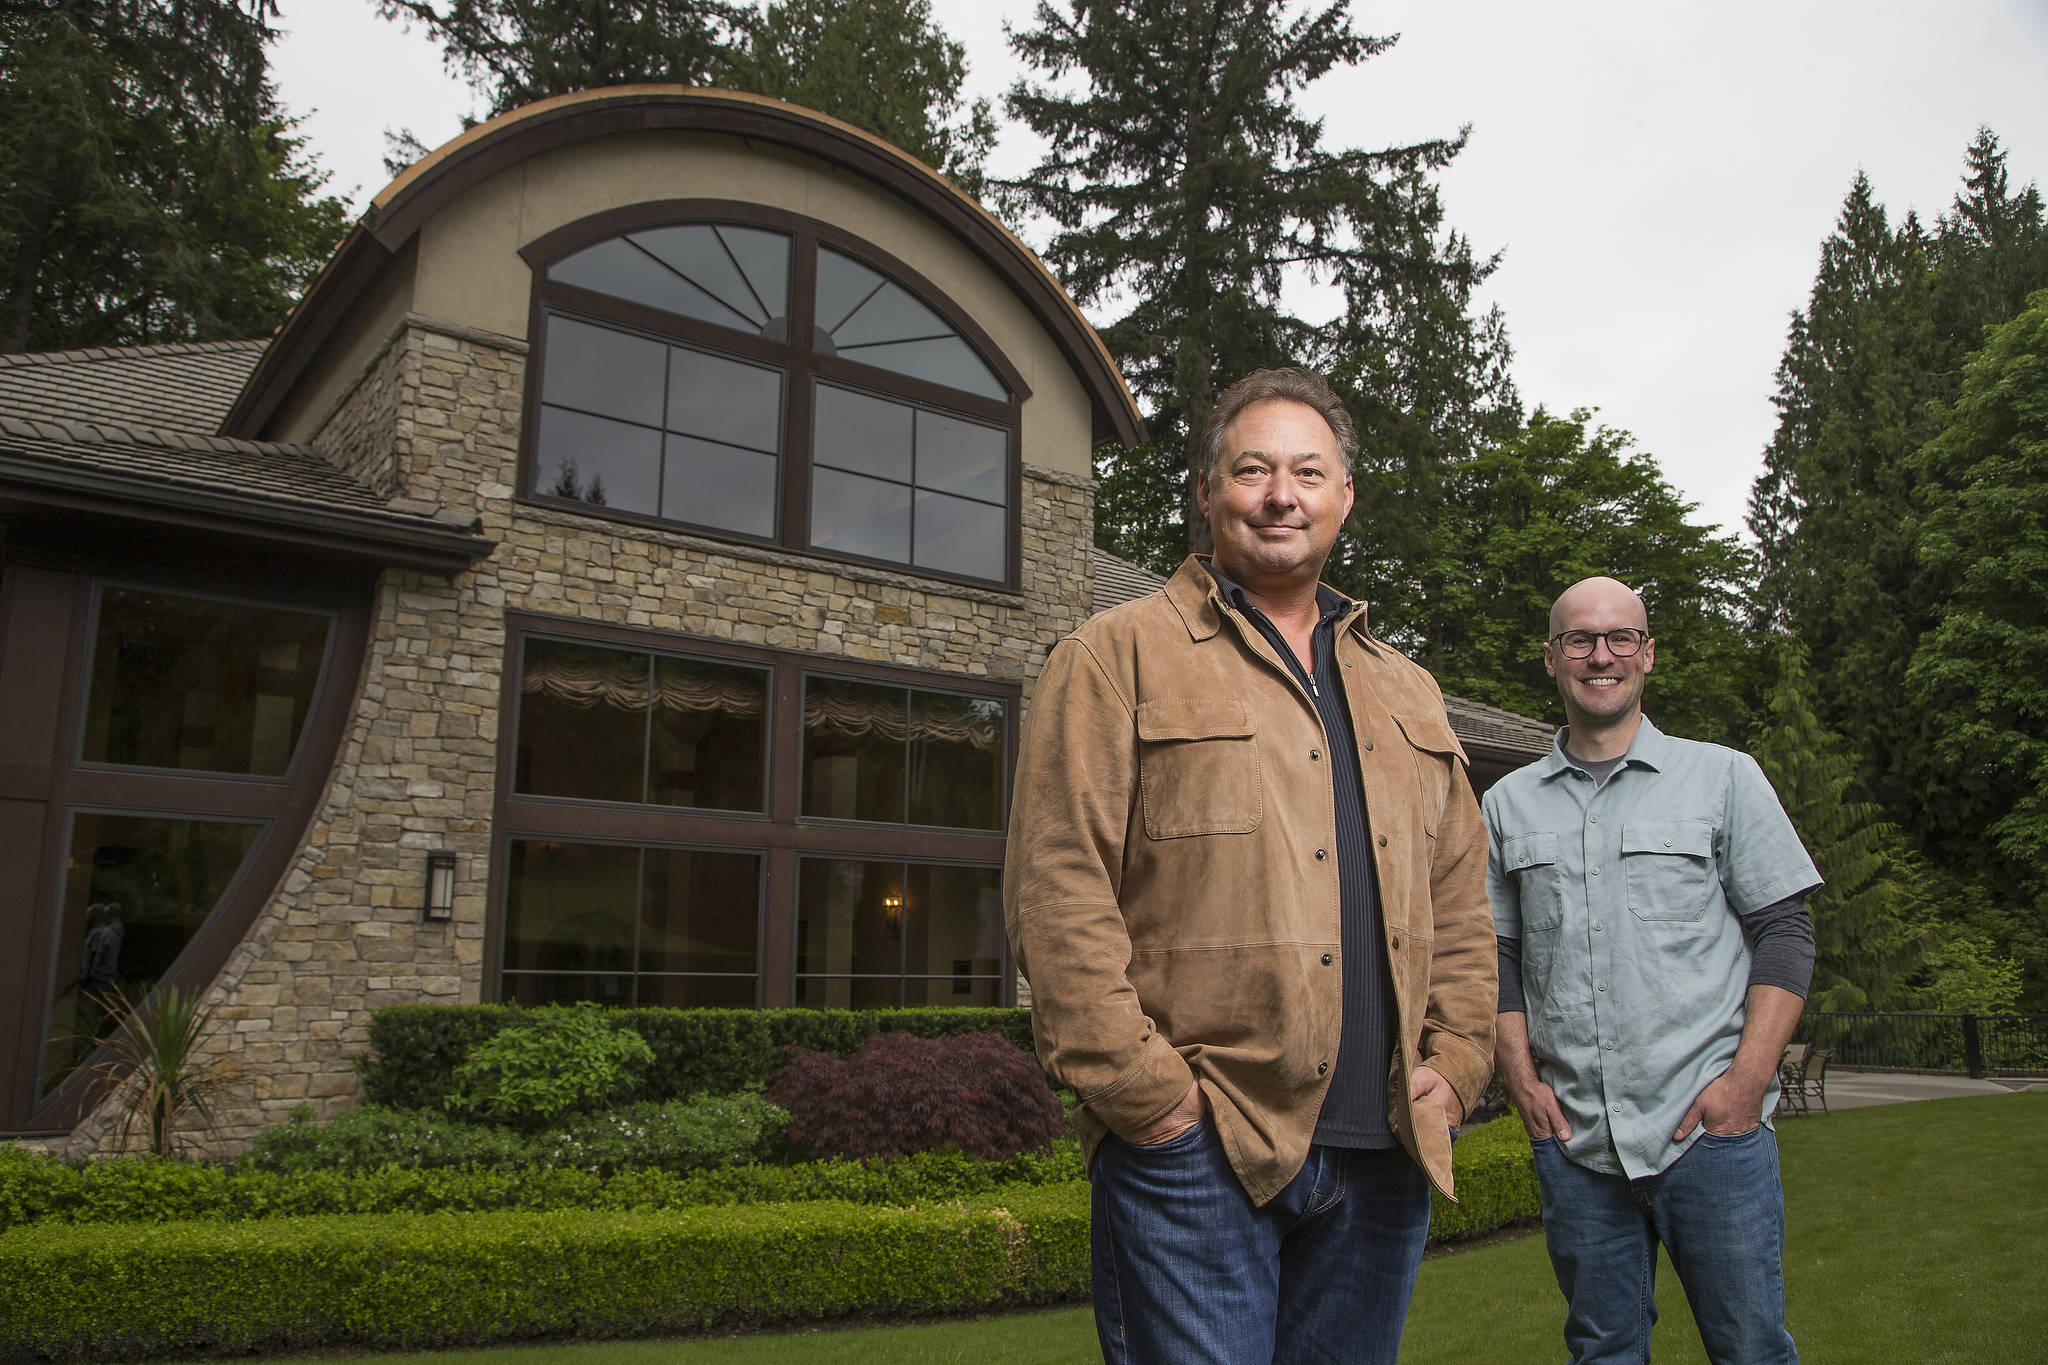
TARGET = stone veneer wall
(343,934)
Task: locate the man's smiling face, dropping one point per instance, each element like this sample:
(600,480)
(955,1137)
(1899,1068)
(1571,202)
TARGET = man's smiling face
(1600,691)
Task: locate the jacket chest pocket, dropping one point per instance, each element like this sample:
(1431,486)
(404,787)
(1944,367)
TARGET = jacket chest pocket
(1670,868)
(1531,859)
(1436,752)
(1198,767)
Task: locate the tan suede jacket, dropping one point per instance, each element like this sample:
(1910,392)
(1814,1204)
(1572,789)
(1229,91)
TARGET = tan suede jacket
(1171,887)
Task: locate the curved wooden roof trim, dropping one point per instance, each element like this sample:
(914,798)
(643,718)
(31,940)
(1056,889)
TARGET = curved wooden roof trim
(435,181)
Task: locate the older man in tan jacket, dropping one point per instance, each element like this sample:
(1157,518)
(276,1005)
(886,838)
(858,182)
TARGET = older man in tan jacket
(1246,881)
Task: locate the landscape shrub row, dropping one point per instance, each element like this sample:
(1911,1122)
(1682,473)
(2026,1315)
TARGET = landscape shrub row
(676,1135)
(1496,1186)
(408,1281)
(415,1049)
(39,1189)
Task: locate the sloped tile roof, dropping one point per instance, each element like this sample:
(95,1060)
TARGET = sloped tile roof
(186,386)
(1477,725)
(133,428)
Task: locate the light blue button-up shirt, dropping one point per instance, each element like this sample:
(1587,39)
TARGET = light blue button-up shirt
(1628,898)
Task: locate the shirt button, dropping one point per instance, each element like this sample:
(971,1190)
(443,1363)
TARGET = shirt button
(1383,841)
(1326,959)
(1615,1107)
(1602,986)
(1609,1045)
(1593,819)
(1322,1068)
(1596,871)
(1598,926)
(1667,843)
(1314,754)
(1321,855)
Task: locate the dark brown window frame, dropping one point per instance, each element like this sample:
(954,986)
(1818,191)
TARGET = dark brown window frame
(801,367)
(781,832)
(63,589)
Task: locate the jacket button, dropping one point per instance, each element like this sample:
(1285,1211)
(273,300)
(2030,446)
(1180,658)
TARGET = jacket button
(1322,855)
(1314,754)
(1368,746)
(1322,1068)
(1397,940)
(1383,841)
(1326,959)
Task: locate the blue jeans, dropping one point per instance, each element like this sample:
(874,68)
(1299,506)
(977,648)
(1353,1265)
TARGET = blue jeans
(1719,1210)
(1186,1269)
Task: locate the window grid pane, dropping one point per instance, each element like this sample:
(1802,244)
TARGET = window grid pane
(874,934)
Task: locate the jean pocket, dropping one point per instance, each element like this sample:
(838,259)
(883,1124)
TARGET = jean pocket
(1179,1142)
(1709,1135)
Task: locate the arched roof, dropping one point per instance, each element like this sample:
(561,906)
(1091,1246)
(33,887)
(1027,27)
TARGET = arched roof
(431,184)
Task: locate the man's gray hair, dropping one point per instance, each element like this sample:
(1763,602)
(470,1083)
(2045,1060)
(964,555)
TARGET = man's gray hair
(1290,385)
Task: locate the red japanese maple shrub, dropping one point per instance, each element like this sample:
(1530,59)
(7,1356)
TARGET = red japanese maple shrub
(899,1094)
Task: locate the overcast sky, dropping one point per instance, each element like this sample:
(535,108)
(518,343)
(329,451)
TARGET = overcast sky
(1658,177)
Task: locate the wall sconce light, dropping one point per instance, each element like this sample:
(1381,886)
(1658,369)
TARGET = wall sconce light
(440,897)
(892,910)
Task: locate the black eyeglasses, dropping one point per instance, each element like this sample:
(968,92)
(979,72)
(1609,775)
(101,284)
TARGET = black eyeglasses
(1578,644)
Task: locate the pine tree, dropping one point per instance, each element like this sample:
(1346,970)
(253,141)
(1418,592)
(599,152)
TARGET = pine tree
(1184,189)
(150,187)
(882,65)
(1829,512)
(1991,251)
(513,52)
(1981,672)
(1872,922)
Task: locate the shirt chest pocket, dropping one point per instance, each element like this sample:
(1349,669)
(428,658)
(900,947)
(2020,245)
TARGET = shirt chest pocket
(1198,767)
(1670,868)
(1531,859)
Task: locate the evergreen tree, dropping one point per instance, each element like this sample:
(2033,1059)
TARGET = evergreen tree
(882,65)
(1991,251)
(1518,523)
(1981,672)
(1184,188)
(1829,511)
(1871,920)
(150,188)
(513,52)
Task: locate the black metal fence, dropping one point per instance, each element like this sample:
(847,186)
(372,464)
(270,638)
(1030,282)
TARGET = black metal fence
(1977,1044)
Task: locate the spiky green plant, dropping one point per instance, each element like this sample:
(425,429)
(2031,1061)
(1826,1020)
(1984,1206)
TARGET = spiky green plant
(156,1069)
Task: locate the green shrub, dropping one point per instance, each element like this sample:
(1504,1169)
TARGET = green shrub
(371,1136)
(414,1281)
(414,1049)
(558,1061)
(1496,1182)
(672,1135)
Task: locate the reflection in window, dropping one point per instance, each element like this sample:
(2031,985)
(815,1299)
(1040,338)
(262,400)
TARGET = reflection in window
(601,724)
(138,890)
(623,925)
(902,755)
(639,425)
(729,276)
(863,317)
(899,482)
(198,684)
(875,935)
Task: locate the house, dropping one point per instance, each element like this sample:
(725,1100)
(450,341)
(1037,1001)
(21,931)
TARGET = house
(619,579)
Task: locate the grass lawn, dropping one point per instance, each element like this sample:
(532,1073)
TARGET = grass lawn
(1914,1234)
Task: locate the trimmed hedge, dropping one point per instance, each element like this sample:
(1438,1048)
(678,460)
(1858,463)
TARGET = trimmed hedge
(414,1049)
(408,1281)
(38,1189)
(1496,1183)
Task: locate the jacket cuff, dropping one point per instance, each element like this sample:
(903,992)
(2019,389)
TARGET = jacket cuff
(1155,1084)
(1466,1067)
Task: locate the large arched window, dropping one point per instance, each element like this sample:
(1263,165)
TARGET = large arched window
(759,376)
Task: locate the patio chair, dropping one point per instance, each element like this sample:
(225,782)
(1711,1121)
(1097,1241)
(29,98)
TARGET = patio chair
(1799,1087)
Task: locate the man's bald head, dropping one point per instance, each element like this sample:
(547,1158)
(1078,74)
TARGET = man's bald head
(1611,594)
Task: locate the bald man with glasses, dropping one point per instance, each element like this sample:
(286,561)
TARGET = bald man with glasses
(1655,952)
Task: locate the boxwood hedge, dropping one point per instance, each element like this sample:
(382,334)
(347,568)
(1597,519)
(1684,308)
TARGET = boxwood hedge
(414,1049)
(400,1281)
